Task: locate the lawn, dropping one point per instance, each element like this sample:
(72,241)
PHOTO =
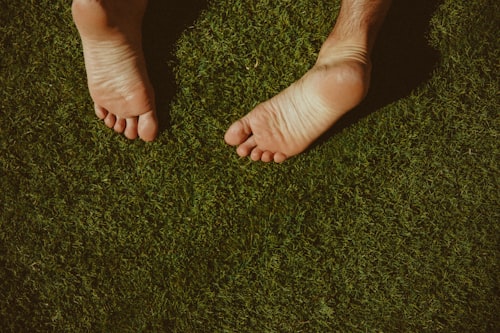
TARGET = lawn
(390,223)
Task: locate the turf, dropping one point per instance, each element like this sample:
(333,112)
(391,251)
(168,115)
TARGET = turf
(389,224)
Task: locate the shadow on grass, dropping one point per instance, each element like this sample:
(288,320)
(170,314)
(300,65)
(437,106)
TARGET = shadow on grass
(402,60)
(164,22)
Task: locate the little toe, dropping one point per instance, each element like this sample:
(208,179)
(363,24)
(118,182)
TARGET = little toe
(279,157)
(131,128)
(100,112)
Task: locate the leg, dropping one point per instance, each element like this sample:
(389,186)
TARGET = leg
(116,72)
(288,123)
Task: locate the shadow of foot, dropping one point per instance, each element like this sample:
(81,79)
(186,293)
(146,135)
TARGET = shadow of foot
(402,60)
(163,25)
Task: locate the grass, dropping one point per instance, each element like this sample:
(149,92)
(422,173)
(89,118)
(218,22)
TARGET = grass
(389,224)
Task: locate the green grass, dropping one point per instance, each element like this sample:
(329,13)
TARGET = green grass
(389,224)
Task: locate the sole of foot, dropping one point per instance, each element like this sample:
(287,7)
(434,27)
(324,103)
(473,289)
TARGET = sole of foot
(116,72)
(288,123)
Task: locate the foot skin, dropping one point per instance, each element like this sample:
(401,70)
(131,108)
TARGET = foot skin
(288,123)
(116,71)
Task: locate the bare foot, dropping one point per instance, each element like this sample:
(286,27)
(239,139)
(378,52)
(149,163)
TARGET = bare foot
(288,123)
(116,71)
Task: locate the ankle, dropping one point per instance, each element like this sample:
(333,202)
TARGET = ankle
(334,50)
(358,22)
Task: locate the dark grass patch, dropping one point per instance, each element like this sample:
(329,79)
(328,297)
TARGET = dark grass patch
(164,22)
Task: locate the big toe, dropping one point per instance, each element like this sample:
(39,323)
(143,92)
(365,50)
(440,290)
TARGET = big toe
(147,126)
(238,132)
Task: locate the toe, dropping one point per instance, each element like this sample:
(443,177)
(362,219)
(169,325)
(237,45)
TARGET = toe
(100,112)
(119,125)
(256,154)
(238,132)
(246,147)
(279,157)
(131,128)
(110,120)
(267,156)
(147,127)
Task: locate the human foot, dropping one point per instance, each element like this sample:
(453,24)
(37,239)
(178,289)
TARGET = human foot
(288,123)
(116,71)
